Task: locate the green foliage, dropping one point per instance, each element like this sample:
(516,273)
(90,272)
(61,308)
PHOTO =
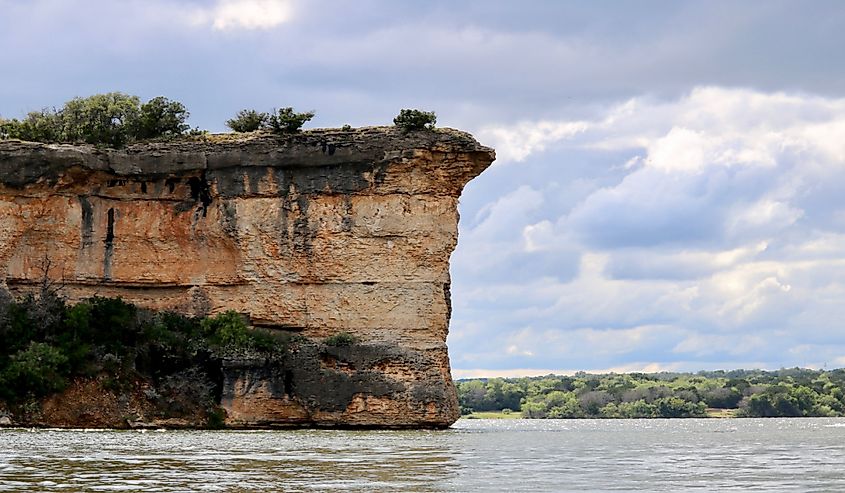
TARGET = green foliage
(44,343)
(410,119)
(161,117)
(675,407)
(636,409)
(216,418)
(269,342)
(227,330)
(229,333)
(100,119)
(37,126)
(788,392)
(248,121)
(723,397)
(346,128)
(341,339)
(37,370)
(113,119)
(490,395)
(285,120)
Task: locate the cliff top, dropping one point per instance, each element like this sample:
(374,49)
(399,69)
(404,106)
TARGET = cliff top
(26,162)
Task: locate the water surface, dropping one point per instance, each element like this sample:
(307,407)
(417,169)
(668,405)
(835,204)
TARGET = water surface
(769,455)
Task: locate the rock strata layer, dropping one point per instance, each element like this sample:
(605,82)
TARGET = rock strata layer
(317,233)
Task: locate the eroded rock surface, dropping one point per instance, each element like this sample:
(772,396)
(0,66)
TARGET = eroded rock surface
(317,233)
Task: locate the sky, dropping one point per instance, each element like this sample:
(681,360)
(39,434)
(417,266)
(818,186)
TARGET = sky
(668,193)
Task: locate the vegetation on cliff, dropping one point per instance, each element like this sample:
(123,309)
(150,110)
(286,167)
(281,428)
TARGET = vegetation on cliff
(281,121)
(113,119)
(116,119)
(45,344)
(411,119)
(749,393)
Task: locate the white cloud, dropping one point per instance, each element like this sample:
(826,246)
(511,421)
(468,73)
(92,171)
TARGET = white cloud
(517,142)
(227,15)
(766,214)
(681,149)
(719,241)
(710,126)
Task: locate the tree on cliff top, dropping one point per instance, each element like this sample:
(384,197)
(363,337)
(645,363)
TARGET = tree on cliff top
(248,121)
(409,120)
(161,117)
(285,120)
(281,121)
(113,119)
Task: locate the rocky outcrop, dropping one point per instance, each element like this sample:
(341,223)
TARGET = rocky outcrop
(313,234)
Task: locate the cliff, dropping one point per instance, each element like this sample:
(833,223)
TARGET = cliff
(313,234)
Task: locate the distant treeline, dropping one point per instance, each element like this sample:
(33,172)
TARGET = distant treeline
(749,393)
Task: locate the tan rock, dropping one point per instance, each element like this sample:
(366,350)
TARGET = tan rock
(317,233)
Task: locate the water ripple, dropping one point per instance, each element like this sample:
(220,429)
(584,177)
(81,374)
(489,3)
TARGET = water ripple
(775,455)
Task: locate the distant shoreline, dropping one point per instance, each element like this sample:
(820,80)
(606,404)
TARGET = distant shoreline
(712,413)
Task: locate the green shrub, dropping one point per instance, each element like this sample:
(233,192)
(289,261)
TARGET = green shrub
(228,330)
(113,324)
(37,126)
(38,370)
(248,121)
(674,407)
(107,119)
(346,128)
(216,418)
(113,119)
(161,117)
(341,339)
(286,120)
(268,342)
(409,120)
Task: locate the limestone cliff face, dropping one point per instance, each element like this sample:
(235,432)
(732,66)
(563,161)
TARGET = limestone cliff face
(317,233)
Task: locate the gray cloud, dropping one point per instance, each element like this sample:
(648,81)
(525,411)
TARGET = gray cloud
(721,237)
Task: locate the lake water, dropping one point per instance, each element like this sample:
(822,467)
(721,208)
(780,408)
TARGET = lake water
(768,455)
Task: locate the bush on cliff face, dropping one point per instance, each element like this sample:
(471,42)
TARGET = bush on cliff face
(45,343)
(227,330)
(248,121)
(40,369)
(409,120)
(341,339)
(113,119)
